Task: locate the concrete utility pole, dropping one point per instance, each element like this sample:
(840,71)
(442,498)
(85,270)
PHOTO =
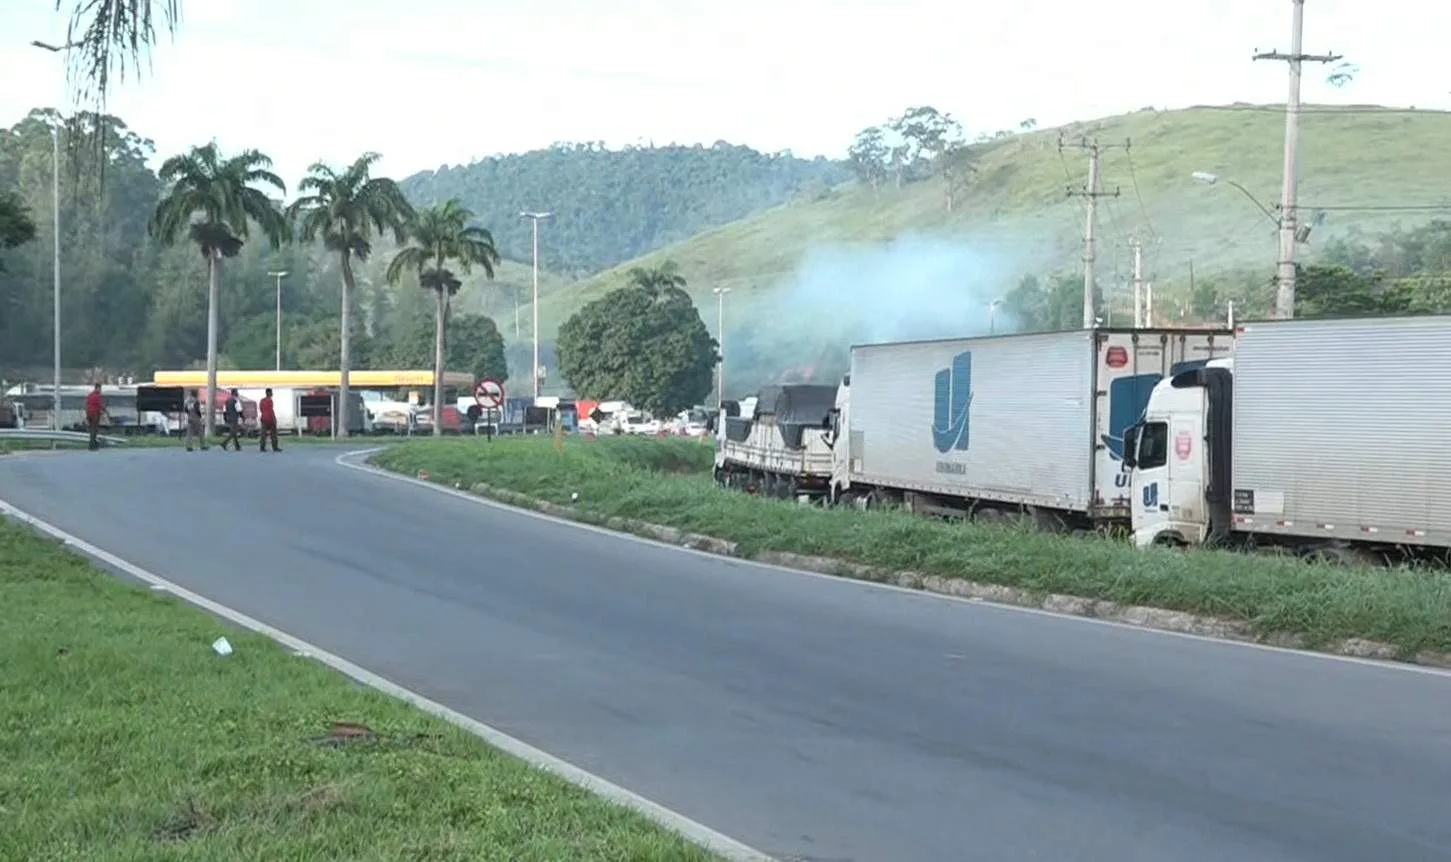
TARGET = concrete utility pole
(1289,218)
(1138,284)
(720,293)
(55,250)
(535,217)
(1092,193)
(279,275)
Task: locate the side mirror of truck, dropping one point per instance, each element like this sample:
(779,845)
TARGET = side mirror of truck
(1131,447)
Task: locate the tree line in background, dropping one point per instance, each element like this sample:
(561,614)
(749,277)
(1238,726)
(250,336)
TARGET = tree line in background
(1405,271)
(610,206)
(139,245)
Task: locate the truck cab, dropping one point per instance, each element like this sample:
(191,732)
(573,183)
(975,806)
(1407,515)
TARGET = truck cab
(1169,454)
(839,423)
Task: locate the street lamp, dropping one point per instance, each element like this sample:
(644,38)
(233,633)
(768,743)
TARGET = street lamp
(1210,179)
(992,316)
(720,294)
(55,229)
(535,217)
(279,275)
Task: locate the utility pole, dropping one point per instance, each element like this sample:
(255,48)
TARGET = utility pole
(535,217)
(55,229)
(1138,284)
(1091,193)
(720,293)
(1289,217)
(279,275)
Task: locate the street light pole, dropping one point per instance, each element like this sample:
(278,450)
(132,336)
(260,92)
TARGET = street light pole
(720,293)
(992,316)
(55,251)
(535,217)
(279,275)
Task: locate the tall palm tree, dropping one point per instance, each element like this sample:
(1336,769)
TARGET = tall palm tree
(214,201)
(439,235)
(347,210)
(662,276)
(110,38)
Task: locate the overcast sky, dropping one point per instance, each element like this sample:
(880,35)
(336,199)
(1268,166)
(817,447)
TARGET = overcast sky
(429,82)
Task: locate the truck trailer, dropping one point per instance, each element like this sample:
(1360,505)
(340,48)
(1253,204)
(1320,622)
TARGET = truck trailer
(1026,427)
(1329,438)
(782,447)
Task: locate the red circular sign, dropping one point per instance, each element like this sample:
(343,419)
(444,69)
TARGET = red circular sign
(489,393)
(1183,445)
(1116,357)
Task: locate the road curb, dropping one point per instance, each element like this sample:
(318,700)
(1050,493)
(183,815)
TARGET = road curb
(1140,616)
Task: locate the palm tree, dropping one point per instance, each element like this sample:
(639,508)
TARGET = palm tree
(347,210)
(214,201)
(441,234)
(110,38)
(659,277)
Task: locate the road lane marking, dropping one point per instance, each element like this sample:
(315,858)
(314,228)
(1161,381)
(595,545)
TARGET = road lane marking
(699,833)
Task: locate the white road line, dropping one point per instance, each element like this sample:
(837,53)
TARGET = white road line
(347,459)
(697,832)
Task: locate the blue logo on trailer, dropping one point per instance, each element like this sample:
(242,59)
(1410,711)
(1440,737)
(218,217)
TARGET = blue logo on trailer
(951,403)
(1128,398)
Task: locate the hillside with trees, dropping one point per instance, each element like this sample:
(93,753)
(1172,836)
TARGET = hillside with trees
(609,206)
(947,232)
(131,304)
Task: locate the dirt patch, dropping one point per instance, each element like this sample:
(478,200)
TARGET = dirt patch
(347,734)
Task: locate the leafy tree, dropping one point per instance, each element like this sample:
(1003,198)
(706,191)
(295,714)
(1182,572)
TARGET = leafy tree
(16,226)
(868,156)
(644,343)
(346,210)
(472,343)
(442,234)
(214,200)
(1047,306)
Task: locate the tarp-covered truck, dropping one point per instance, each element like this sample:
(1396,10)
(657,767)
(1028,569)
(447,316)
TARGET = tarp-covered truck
(1329,437)
(783,447)
(1018,426)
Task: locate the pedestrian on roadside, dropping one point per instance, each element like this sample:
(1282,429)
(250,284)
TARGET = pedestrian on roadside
(267,415)
(95,409)
(232,415)
(192,410)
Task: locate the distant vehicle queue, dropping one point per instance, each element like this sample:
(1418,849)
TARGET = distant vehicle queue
(383,402)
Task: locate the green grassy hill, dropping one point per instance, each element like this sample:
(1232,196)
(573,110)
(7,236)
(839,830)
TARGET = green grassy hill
(914,261)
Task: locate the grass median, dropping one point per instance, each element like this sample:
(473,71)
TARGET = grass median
(668,482)
(124,736)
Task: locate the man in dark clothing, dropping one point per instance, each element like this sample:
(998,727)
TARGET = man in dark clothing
(267,415)
(95,409)
(232,415)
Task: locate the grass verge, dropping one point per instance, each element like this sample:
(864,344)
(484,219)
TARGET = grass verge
(125,737)
(667,482)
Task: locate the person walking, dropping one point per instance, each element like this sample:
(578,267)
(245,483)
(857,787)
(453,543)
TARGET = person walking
(95,409)
(232,416)
(192,409)
(267,415)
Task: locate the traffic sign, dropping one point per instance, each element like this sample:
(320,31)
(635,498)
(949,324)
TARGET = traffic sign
(489,394)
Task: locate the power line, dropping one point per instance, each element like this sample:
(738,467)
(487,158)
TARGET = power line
(1091,193)
(1398,208)
(1348,110)
(1134,178)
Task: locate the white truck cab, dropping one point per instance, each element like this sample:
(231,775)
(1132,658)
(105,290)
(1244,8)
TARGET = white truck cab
(1169,453)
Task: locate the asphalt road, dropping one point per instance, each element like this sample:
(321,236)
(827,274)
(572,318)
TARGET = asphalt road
(811,718)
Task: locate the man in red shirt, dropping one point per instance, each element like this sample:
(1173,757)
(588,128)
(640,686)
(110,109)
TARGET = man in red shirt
(95,409)
(267,416)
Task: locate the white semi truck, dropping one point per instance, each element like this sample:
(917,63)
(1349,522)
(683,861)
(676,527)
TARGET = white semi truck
(1026,427)
(1330,438)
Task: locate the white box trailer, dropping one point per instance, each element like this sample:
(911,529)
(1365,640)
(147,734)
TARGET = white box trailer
(1006,425)
(1331,436)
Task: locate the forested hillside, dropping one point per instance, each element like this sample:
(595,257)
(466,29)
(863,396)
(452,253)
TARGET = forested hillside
(949,232)
(129,305)
(612,205)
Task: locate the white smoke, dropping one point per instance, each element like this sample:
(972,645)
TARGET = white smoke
(914,287)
